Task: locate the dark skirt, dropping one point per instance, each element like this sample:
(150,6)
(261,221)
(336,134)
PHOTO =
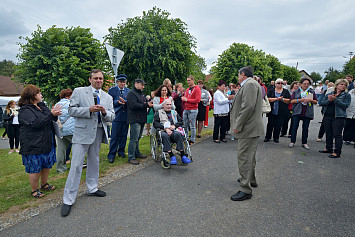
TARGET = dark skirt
(35,163)
(201,116)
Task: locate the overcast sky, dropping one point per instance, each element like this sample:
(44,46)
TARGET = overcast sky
(315,33)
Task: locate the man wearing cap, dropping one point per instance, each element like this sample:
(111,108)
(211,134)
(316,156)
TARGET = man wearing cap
(119,125)
(137,116)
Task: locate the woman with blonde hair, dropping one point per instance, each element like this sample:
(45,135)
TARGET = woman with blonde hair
(335,104)
(13,130)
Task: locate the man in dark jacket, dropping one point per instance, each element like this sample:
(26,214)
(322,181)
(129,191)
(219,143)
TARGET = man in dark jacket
(137,116)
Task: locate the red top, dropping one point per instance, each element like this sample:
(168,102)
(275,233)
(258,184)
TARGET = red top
(161,100)
(193,95)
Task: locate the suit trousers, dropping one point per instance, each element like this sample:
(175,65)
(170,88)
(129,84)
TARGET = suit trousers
(246,151)
(92,173)
(62,145)
(118,140)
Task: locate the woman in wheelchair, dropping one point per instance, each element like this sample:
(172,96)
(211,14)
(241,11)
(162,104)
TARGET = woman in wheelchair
(167,121)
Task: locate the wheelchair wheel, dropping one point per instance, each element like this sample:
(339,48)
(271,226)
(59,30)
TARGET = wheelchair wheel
(165,163)
(187,149)
(154,148)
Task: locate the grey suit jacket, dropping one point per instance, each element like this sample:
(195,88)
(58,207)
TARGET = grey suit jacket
(86,122)
(246,111)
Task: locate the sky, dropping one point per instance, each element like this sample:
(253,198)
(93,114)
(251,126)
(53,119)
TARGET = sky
(316,34)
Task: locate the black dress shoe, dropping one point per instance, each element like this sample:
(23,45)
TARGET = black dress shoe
(334,156)
(276,140)
(224,141)
(98,193)
(253,185)
(241,196)
(325,151)
(134,162)
(111,160)
(65,210)
(217,141)
(141,156)
(266,140)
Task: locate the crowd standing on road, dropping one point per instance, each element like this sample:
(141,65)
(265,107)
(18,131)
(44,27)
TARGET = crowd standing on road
(82,116)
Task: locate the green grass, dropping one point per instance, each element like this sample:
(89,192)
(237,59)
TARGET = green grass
(14,184)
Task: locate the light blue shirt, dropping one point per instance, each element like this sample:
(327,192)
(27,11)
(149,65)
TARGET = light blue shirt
(241,84)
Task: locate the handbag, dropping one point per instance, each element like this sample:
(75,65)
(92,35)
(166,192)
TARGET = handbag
(266,105)
(60,125)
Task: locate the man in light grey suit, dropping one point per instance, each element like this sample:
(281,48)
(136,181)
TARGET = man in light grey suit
(92,108)
(246,121)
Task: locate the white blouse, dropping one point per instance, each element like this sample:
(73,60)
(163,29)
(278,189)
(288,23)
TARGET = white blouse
(220,102)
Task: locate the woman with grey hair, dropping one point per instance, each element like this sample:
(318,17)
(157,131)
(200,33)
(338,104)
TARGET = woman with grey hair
(335,104)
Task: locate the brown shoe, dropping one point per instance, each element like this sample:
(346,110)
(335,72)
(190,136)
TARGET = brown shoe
(134,162)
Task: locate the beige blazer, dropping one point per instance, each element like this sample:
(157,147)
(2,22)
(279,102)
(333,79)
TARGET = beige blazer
(246,111)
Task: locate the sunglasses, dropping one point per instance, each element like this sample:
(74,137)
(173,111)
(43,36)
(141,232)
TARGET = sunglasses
(279,83)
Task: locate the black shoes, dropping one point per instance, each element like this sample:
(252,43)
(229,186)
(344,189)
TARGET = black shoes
(325,151)
(217,141)
(253,185)
(276,140)
(266,140)
(111,160)
(65,210)
(134,162)
(141,156)
(241,196)
(98,193)
(191,142)
(334,156)
(224,141)
(122,156)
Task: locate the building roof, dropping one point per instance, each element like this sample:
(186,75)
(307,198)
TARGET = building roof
(9,88)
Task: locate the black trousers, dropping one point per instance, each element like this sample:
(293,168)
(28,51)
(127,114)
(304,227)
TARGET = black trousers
(175,137)
(221,124)
(349,130)
(321,130)
(285,125)
(334,129)
(274,125)
(13,132)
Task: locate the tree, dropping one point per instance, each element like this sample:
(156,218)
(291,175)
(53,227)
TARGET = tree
(349,67)
(156,47)
(332,75)
(58,58)
(290,74)
(7,68)
(239,55)
(316,76)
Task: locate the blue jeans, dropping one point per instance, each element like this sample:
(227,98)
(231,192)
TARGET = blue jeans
(189,118)
(305,126)
(136,130)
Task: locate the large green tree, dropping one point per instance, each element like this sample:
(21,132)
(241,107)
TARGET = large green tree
(333,74)
(58,58)
(290,74)
(156,47)
(349,67)
(316,76)
(7,67)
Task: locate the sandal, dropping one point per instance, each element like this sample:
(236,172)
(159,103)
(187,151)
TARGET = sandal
(38,194)
(47,187)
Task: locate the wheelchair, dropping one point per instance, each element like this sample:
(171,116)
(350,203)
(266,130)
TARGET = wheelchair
(158,155)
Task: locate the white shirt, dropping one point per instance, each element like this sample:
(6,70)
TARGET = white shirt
(241,84)
(221,103)
(94,91)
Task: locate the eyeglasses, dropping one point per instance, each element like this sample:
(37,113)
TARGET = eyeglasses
(279,83)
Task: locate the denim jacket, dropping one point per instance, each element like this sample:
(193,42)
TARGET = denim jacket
(341,103)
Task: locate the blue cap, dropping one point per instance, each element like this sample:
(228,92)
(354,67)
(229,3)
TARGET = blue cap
(121,77)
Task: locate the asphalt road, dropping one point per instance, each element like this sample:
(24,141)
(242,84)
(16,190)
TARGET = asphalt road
(313,198)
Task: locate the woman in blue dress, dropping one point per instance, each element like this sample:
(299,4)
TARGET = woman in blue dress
(37,138)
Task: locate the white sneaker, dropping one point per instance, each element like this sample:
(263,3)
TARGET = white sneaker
(305,146)
(11,151)
(206,126)
(291,145)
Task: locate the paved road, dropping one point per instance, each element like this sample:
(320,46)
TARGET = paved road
(313,198)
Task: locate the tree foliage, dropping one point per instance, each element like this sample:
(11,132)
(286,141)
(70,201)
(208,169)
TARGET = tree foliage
(58,58)
(290,74)
(7,68)
(349,67)
(316,76)
(332,74)
(156,47)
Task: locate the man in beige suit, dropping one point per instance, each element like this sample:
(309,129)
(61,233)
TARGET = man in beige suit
(246,121)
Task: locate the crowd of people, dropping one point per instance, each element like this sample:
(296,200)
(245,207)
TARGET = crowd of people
(84,115)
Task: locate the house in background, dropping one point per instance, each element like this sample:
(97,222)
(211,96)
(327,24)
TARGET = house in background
(304,74)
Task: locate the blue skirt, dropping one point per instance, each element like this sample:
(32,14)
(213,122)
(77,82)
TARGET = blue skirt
(35,163)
